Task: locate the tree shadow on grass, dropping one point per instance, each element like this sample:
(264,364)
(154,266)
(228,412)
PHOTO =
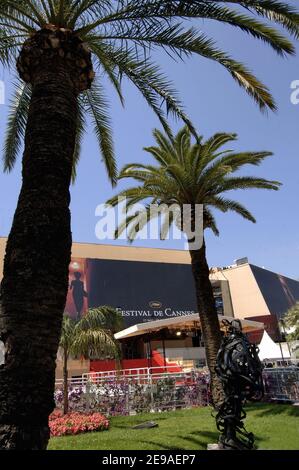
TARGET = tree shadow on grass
(161,446)
(260,440)
(189,438)
(209,434)
(214,436)
(273,409)
(201,445)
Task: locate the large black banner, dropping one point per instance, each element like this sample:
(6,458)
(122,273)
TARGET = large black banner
(142,291)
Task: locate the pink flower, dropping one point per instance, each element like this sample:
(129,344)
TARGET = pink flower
(76,423)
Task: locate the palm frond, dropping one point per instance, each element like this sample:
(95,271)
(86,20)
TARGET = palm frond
(278,12)
(225,205)
(122,35)
(16,124)
(105,63)
(209,221)
(150,81)
(81,121)
(67,332)
(94,343)
(10,42)
(246,182)
(92,336)
(97,106)
(189,173)
(291,320)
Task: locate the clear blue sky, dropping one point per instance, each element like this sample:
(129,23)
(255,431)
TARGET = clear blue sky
(215,103)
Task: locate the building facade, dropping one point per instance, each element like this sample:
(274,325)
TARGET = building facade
(259,294)
(146,284)
(143,284)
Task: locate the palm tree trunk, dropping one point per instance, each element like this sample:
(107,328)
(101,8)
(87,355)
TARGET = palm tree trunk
(35,282)
(65,384)
(208,317)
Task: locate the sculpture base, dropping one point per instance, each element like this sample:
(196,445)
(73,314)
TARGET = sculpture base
(214,447)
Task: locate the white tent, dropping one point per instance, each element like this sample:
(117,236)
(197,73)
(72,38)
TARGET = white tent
(269,349)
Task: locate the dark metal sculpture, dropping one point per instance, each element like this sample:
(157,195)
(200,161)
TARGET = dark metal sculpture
(240,371)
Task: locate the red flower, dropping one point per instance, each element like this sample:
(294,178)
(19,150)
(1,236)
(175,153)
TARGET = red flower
(76,423)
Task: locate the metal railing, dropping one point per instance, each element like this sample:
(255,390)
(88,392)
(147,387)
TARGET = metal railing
(131,391)
(281,384)
(141,374)
(143,389)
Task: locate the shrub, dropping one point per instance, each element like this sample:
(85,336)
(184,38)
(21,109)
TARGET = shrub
(76,423)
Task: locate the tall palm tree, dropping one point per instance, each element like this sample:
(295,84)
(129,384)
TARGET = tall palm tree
(190,176)
(59,45)
(92,336)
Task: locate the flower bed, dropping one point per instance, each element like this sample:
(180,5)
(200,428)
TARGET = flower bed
(76,423)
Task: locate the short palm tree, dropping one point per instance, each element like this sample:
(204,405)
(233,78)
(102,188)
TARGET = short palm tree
(92,336)
(188,176)
(59,46)
(291,321)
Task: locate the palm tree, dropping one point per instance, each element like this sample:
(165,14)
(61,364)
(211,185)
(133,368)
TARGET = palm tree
(59,45)
(190,176)
(291,322)
(92,336)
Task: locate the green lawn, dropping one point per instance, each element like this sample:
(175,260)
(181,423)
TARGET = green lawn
(275,427)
